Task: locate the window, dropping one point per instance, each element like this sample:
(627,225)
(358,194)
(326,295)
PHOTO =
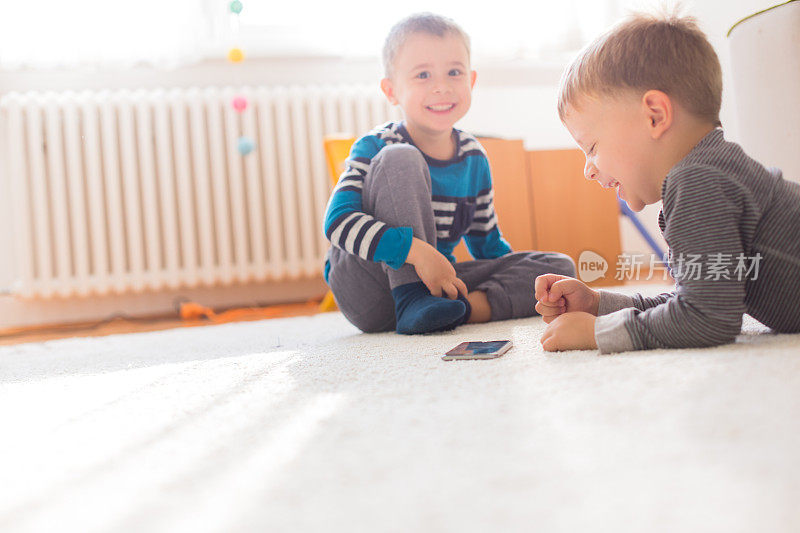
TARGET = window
(119,33)
(499,28)
(55,33)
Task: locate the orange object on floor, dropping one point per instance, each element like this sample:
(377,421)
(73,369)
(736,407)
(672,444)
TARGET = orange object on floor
(194,311)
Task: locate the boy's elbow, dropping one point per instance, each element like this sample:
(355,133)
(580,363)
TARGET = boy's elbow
(721,337)
(719,331)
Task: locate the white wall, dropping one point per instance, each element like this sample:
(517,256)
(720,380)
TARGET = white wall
(5,222)
(512,99)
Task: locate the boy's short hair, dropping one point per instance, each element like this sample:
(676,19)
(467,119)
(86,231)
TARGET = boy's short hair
(429,23)
(667,53)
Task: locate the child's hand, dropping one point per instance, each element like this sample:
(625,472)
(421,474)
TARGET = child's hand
(557,295)
(570,331)
(435,271)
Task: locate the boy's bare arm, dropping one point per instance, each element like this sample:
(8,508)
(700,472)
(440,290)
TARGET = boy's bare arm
(435,271)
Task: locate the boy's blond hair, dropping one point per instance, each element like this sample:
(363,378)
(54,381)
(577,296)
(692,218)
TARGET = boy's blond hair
(429,23)
(667,53)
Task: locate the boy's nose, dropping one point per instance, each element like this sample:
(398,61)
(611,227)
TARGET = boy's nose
(441,87)
(590,171)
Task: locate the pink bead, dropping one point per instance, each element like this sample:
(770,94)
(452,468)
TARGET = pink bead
(240,103)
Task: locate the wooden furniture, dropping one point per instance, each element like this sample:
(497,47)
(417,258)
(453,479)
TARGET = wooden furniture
(337,148)
(571,214)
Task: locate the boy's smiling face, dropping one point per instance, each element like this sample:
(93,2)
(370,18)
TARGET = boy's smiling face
(432,83)
(616,135)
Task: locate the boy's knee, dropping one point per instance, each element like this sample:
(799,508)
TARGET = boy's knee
(400,155)
(398,169)
(561,264)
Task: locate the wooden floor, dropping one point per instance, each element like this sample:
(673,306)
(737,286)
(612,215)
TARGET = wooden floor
(120,325)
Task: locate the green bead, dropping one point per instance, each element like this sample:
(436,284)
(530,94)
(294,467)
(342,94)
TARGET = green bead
(236,7)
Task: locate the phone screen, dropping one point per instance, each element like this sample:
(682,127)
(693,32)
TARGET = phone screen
(478,350)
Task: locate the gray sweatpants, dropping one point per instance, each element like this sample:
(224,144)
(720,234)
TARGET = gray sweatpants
(397,191)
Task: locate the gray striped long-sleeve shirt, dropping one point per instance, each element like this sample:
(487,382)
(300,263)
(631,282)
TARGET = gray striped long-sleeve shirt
(733,230)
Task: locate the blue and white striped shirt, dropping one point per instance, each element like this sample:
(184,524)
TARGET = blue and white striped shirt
(462,200)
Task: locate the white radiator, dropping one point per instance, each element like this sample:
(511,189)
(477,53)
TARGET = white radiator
(127,191)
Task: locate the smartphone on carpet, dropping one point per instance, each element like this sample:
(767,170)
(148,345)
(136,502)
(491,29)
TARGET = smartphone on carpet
(478,350)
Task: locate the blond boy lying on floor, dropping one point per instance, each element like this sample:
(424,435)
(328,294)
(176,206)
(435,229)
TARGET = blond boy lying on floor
(642,102)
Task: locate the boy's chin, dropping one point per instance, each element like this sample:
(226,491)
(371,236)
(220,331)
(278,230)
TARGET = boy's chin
(634,205)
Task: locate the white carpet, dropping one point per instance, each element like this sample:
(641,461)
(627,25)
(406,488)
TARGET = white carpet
(304,424)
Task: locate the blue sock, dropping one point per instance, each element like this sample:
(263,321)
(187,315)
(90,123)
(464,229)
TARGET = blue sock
(417,311)
(468,312)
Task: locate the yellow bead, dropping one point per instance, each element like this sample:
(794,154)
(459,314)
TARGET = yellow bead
(235,55)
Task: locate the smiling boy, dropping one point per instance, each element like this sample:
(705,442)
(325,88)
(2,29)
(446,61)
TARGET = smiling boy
(411,190)
(643,102)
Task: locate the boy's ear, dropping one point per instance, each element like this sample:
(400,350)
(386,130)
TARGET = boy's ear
(659,111)
(388,90)
(473,77)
